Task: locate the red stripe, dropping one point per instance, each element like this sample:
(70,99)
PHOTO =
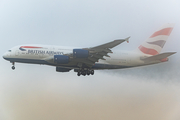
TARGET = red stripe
(165,31)
(29,47)
(164,60)
(148,50)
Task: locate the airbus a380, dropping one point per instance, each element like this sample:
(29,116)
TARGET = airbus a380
(85,60)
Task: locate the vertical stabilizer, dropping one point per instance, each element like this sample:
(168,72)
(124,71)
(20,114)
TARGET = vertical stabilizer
(154,44)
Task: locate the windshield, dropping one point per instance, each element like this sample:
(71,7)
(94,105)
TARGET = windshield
(9,50)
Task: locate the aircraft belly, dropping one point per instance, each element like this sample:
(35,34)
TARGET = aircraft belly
(109,66)
(22,60)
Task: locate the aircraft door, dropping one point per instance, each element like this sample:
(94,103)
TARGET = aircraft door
(17,52)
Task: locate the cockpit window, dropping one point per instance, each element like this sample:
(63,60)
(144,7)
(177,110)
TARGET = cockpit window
(9,50)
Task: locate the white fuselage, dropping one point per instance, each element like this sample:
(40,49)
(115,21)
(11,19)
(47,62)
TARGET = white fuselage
(41,55)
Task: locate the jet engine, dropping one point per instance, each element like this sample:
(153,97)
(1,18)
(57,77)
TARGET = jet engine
(61,59)
(60,69)
(80,53)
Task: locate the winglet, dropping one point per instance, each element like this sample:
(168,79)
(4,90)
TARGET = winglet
(127,39)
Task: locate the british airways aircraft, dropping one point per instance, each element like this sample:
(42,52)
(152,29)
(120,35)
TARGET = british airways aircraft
(85,60)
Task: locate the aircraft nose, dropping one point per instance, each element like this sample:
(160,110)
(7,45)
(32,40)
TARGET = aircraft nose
(5,55)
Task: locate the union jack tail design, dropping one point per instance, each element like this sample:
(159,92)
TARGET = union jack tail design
(154,44)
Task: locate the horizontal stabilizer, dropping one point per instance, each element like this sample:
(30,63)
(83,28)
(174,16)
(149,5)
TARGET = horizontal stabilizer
(158,57)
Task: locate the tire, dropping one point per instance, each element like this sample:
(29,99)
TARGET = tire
(78,74)
(13,67)
(92,72)
(88,72)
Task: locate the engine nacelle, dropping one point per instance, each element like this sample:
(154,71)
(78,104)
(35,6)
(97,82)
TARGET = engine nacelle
(61,59)
(60,69)
(80,53)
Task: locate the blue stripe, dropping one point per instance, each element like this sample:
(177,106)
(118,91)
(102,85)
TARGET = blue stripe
(26,60)
(22,49)
(159,43)
(96,66)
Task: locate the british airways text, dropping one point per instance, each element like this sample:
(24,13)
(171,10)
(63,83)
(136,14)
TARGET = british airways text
(44,52)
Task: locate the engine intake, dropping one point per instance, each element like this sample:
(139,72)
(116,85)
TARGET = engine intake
(61,59)
(80,53)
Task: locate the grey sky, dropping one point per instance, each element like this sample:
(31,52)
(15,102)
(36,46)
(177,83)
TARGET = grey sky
(88,23)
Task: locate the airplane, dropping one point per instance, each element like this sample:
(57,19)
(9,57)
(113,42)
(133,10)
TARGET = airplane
(85,60)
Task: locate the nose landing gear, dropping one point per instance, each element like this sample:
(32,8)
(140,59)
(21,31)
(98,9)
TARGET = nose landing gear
(13,67)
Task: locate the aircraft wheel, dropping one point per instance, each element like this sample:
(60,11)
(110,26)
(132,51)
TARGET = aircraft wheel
(88,72)
(13,67)
(84,73)
(79,74)
(92,72)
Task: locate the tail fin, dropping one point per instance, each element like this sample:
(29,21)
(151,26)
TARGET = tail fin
(154,44)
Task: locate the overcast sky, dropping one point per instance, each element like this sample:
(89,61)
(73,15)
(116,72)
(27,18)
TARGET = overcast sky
(39,92)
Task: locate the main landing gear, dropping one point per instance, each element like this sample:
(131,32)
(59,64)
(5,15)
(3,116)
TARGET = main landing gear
(13,67)
(85,72)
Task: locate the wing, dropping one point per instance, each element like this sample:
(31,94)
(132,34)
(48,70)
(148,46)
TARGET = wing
(94,54)
(98,52)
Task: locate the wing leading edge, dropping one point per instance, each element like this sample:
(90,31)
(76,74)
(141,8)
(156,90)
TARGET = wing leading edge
(98,52)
